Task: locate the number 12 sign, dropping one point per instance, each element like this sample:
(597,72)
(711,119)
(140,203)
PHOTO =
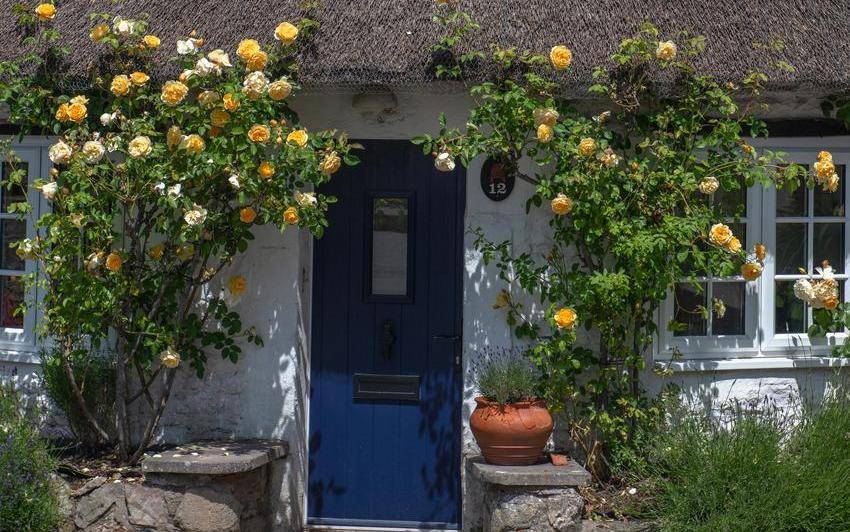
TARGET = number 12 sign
(497,182)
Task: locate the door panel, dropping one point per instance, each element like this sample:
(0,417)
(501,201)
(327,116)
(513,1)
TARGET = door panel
(392,461)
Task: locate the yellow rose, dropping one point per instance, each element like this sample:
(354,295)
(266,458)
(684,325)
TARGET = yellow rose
(286,33)
(157,251)
(761,252)
(279,89)
(566,318)
(587,147)
(299,137)
(219,117)
(230,102)
(666,50)
(120,85)
(330,164)
(151,41)
(257,61)
(247,48)
(561,204)
(824,168)
(236,285)
(169,358)
(561,57)
(139,147)
(825,155)
(831,303)
(114,262)
(77,112)
(99,32)
(139,78)
(544,133)
(290,216)
(720,234)
(62,113)
(545,115)
(193,144)
(45,11)
(247,215)
(832,182)
(734,245)
(259,133)
(503,300)
(173,92)
(185,252)
(209,98)
(751,271)
(266,170)
(173,137)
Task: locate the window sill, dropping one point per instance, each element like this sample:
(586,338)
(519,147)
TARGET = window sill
(756,363)
(22,354)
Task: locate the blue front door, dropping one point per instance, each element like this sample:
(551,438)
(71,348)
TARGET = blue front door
(385,382)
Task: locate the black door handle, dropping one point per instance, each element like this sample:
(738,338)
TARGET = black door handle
(445,338)
(387,340)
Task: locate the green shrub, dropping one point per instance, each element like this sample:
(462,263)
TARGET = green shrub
(753,470)
(27,499)
(505,376)
(95,375)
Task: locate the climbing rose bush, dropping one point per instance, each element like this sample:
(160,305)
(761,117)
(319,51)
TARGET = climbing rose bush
(156,187)
(632,190)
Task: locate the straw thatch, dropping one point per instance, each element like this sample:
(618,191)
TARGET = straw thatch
(367,42)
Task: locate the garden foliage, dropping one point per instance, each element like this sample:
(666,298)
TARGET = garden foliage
(633,194)
(157,185)
(28,502)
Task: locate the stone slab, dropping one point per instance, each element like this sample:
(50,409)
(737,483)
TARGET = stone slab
(215,457)
(545,475)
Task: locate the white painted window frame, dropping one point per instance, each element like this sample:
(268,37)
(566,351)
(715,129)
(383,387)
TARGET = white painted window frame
(761,347)
(20,345)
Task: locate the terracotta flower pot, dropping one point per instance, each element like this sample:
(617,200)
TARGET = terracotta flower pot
(512,434)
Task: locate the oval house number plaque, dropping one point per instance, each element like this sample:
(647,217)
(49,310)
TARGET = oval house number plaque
(496,183)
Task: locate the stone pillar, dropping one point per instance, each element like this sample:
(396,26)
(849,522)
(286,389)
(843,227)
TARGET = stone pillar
(538,497)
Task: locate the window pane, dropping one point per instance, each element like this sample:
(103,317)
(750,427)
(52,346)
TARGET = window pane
(16,194)
(688,301)
(732,322)
(790,248)
(790,311)
(791,203)
(831,203)
(732,202)
(12,291)
(389,246)
(829,245)
(11,231)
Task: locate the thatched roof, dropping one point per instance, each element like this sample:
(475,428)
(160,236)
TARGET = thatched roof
(363,42)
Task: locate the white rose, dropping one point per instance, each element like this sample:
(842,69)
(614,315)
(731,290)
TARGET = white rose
(255,85)
(160,187)
(196,216)
(123,26)
(444,162)
(804,290)
(139,147)
(60,153)
(174,191)
(234,180)
(220,58)
(48,190)
(205,67)
(106,119)
(94,151)
(189,46)
(305,199)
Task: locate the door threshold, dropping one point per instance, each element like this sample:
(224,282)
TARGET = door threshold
(339,528)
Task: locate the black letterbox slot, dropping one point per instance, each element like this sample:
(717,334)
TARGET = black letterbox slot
(388,387)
